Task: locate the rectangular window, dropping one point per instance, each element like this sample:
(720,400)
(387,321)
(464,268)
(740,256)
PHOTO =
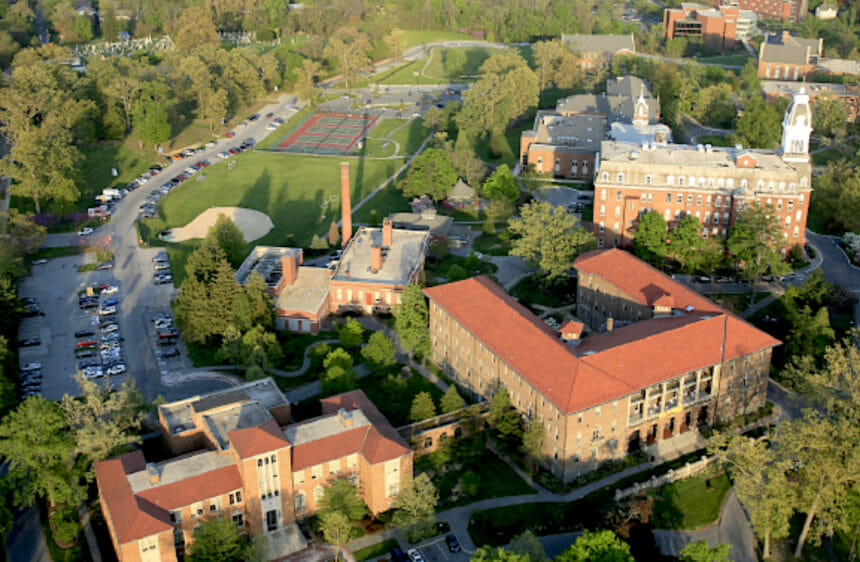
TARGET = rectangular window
(196,509)
(176,516)
(298,478)
(238,520)
(316,472)
(597,412)
(668,198)
(690,200)
(235,497)
(352,461)
(680,199)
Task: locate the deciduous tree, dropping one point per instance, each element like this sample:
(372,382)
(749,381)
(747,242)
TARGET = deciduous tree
(597,545)
(759,126)
(150,123)
(415,505)
(194,28)
(432,173)
(341,496)
(754,241)
(649,242)
(217,540)
(396,41)
(379,350)
(548,237)
(348,48)
(336,528)
(338,376)
(527,544)
(501,185)
(350,333)
(699,551)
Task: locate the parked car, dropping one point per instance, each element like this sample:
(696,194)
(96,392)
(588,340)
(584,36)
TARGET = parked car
(86,231)
(397,555)
(167,334)
(211,144)
(453,543)
(107,319)
(254,117)
(168,353)
(39,261)
(29,342)
(105,265)
(116,369)
(163,278)
(83,353)
(31,367)
(230,134)
(223,155)
(161,265)
(110,302)
(414,555)
(86,343)
(88,363)
(109,289)
(271,127)
(108,328)
(92,372)
(107,310)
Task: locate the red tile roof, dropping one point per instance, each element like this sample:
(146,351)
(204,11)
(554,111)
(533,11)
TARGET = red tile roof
(526,344)
(133,518)
(195,488)
(573,327)
(643,283)
(604,366)
(251,441)
(329,448)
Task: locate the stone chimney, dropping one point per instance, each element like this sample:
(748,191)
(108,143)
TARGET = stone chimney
(375,258)
(290,269)
(345,203)
(610,324)
(345,417)
(153,473)
(387,232)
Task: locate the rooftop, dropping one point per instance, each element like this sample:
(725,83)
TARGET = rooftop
(266,260)
(839,66)
(400,263)
(599,43)
(307,293)
(222,422)
(617,104)
(179,415)
(785,49)
(323,427)
(790,87)
(178,469)
(426,221)
(606,366)
(691,159)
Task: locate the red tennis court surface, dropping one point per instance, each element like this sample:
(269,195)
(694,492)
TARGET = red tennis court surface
(328,133)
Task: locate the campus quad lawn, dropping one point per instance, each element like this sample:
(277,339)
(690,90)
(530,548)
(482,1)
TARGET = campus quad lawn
(412,37)
(688,503)
(496,477)
(289,188)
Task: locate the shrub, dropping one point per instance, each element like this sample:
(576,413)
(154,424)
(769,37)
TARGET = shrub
(456,273)
(65,526)
(265,35)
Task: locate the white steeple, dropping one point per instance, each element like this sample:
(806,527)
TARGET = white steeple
(796,128)
(640,110)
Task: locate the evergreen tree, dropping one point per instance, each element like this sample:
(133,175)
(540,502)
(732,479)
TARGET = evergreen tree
(411,320)
(227,236)
(110,27)
(451,400)
(379,350)
(422,407)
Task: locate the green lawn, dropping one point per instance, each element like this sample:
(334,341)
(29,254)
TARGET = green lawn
(690,503)
(491,244)
(375,550)
(457,63)
(407,133)
(388,200)
(290,188)
(409,73)
(715,140)
(503,149)
(446,468)
(393,396)
(414,37)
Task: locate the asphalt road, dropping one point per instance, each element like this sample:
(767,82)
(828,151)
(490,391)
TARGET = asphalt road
(133,273)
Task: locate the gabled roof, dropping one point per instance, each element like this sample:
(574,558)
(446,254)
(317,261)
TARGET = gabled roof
(638,280)
(252,441)
(193,489)
(383,442)
(133,518)
(525,343)
(331,447)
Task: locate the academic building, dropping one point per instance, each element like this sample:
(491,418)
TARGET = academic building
(717,27)
(236,455)
(714,184)
(783,10)
(598,51)
(660,360)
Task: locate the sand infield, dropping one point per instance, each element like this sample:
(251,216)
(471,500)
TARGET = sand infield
(253,224)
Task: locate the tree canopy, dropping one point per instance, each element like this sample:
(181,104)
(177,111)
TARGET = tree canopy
(227,236)
(411,320)
(379,350)
(755,241)
(597,545)
(548,237)
(431,173)
(415,505)
(501,185)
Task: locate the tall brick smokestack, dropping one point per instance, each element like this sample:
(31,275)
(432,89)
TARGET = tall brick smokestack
(345,204)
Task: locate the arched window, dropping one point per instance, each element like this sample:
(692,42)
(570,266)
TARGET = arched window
(744,184)
(680,180)
(710,182)
(648,179)
(707,218)
(301,502)
(318,494)
(603,210)
(759,184)
(573,168)
(540,165)
(701,181)
(782,186)
(730,183)
(718,201)
(716,218)
(792,187)
(604,176)
(721,182)
(708,201)
(670,180)
(803,182)
(619,177)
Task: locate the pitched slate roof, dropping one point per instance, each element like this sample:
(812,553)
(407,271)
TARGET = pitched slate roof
(599,43)
(610,365)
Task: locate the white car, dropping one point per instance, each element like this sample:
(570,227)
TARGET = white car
(31,367)
(223,155)
(117,369)
(107,310)
(271,127)
(414,555)
(211,144)
(110,290)
(93,372)
(86,231)
(190,171)
(108,328)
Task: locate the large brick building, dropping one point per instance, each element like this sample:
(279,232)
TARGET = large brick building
(682,362)
(783,57)
(714,184)
(598,51)
(566,142)
(718,28)
(848,94)
(783,10)
(238,457)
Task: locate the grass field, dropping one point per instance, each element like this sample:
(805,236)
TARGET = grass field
(375,550)
(300,193)
(406,75)
(408,134)
(451,64)
(414,37)
(690,503)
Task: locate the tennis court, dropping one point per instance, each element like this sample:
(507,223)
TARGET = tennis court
(328,133)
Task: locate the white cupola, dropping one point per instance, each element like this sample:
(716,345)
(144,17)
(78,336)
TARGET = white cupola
(796,128)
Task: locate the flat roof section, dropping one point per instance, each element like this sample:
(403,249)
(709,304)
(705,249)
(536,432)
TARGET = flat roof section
(323,427)
(400,260)
(307,293)
(179,469)
(249,414)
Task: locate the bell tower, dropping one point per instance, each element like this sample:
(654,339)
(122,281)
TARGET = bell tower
(796,128)
(640,110)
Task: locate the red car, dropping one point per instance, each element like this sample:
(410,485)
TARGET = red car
(230,134)
(233,151)
(86,344)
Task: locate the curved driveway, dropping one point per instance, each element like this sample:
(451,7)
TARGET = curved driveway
(139,296)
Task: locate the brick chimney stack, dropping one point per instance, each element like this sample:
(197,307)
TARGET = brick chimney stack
(345,204)
(290,269)
(387,232)
(375,258)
